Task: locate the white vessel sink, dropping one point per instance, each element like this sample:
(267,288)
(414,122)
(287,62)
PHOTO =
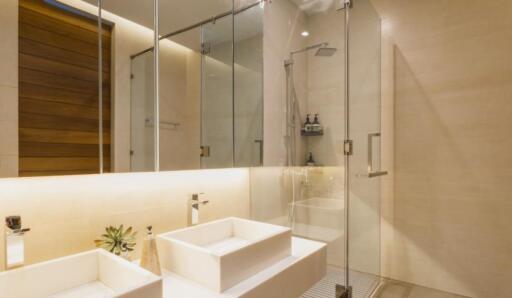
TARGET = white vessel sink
(220,254)
(96,273)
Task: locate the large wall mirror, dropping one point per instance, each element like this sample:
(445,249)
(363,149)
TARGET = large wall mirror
(208,112)
(227,97)
(208,109)
(50,107)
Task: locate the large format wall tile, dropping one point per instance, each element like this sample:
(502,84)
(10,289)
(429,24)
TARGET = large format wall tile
(447,74)
(67,213)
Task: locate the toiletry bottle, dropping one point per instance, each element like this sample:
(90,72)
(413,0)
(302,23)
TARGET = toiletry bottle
(307,125)
(316,124)
(149,259)
(310,162)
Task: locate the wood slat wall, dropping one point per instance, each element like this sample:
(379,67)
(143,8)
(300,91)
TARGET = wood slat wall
(58,92)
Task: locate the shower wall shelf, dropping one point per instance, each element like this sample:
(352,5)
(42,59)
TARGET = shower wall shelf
(311,133)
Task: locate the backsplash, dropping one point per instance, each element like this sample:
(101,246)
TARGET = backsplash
(66,214)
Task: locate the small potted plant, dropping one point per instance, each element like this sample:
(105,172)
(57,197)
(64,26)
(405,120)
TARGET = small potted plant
(118,241)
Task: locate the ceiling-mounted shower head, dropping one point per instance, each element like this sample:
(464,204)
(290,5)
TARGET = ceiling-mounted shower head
(316,46)
(325,52)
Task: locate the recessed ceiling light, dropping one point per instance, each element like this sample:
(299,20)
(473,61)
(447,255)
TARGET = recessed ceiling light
(305,33)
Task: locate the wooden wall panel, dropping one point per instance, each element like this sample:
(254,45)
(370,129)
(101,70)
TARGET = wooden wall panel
(58,92)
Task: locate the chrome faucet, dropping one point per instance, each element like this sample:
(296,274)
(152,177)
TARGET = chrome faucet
(14,242)
(193,208)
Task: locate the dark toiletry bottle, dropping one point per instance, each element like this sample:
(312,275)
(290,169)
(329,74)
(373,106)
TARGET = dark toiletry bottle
(316,124)
(308,124)
(310,162)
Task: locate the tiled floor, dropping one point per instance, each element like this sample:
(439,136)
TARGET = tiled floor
(363,285)
(396,289)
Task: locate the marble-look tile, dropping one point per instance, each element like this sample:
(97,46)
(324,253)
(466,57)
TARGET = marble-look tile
(9,43)
(8,103)
(446,93)
(9,137)
(8,166)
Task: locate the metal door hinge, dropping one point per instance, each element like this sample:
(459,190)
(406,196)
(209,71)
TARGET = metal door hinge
(205,48)
(205,151)
(348,147)
(343,292)
(344,4)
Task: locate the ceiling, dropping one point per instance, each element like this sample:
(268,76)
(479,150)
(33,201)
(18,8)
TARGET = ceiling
(178,14)
(316,6)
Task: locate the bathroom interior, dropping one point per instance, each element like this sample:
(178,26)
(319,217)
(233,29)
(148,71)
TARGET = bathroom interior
(255,148)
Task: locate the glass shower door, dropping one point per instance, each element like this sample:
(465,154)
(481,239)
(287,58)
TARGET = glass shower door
(363,170)
(217,130)
(142,136)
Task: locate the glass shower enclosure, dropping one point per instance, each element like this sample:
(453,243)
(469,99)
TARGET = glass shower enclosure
(363,132)
(331,55)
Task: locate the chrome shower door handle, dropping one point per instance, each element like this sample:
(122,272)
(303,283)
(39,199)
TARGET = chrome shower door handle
(371,171)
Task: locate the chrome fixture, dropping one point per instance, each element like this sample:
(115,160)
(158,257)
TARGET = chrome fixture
(172,125)
(343,291)
(14,242)
(292,107)
(193,208)
(372,172)
(209,20)
(323,50)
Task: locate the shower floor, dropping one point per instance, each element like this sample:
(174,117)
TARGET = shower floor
(367,285)
(362,284)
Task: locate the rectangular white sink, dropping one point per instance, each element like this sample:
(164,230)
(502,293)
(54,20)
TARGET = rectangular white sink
(95,273)
(220,254)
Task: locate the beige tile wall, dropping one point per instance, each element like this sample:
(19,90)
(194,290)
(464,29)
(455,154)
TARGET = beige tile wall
(448,72)
(180,97)
(325,86)
(66,214)
(283,23)
(9,88)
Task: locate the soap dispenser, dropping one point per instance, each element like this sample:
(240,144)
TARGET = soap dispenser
(316,124)
(307,124)
(149,259)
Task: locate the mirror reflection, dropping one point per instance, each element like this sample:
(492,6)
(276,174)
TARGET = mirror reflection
(210,104)
(54,127)
(206,120)
(133,94)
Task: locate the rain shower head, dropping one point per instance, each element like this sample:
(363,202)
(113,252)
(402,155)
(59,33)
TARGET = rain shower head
(325,52)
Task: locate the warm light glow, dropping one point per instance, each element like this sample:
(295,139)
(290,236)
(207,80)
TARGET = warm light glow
(143,32)
(305,33)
